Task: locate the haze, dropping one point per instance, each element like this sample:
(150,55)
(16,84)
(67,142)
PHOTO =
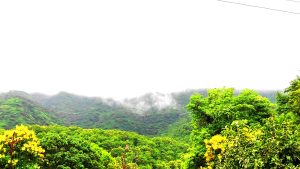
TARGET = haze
(123,49)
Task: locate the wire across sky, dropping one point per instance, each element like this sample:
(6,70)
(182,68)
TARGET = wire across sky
(262,7)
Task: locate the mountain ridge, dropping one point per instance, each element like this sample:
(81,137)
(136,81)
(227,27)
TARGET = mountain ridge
(149,114)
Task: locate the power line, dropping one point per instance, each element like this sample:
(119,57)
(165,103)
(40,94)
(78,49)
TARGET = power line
(262,7)
(293,1)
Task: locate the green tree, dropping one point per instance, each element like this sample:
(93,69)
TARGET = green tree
(275,144)
(20,148)
(69,146)
(290,99)
(220,108)
(67,151)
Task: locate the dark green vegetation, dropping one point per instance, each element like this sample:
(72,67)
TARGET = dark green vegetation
(15,111)
(289,101)
(180,130)
(88,112)
(220,128)
(147,115)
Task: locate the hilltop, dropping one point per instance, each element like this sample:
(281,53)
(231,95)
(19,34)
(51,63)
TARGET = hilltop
(18,110)
(149,114)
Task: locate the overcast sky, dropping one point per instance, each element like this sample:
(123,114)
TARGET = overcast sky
(124,48)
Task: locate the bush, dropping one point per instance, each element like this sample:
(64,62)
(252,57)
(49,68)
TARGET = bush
(275,144)
(20,148)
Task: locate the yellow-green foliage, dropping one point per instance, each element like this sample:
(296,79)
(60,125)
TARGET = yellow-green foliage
(219,108)
(214,147)
(275,144)
(20,147)
(71,147)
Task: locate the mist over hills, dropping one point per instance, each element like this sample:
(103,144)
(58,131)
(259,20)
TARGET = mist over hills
(149,114)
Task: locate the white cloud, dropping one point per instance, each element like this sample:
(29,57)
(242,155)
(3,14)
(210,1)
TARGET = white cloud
(127,48)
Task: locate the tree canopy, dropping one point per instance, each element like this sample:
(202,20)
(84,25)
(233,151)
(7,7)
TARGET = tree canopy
(244,130)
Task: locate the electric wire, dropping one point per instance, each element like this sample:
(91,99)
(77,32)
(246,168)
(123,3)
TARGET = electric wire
(261,7)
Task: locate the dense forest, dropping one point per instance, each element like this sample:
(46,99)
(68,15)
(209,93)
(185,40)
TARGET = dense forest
(152,114)
(215,128)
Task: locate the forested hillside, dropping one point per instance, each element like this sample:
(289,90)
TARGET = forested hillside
(74,147)
(223,128)
(150,114)
(14,110)
(125,147)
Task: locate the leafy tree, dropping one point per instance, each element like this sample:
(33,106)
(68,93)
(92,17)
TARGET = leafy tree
(289,101)
(69,146)
(220,108)
(20,148)
(275,144)
(215,147)
(67,151)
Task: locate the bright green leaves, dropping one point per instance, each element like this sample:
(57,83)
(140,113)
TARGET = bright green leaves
(253,107)
(74,147)
(290,99)
(220,108)
(275,144)
(244,131)
(66,150)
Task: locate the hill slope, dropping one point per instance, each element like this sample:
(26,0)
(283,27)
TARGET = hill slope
(149,114)
(15,110)
(93,112)
(139,151)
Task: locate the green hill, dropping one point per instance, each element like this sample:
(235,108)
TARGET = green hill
(93,112)
(149,114)
(15,110)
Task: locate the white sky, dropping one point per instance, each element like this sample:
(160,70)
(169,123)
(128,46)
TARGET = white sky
(117,48)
